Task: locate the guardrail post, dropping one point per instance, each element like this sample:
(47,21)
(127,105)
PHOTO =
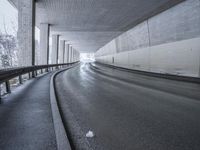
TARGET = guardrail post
(36,73)
(8,86)
(41,71)
(29,75)
(20,79)
(33,74)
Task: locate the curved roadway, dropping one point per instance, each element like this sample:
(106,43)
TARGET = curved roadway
(127,111)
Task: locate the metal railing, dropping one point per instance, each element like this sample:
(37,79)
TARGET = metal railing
(7,74)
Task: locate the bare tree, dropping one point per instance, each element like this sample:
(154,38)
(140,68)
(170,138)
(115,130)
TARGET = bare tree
(8,47)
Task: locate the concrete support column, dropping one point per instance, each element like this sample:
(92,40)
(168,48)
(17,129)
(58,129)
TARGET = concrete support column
(70,54)
(44,44)
(55,46)
(26,32)
(66,57)
(72,60)
(73,55)
(61,51)
(77,55)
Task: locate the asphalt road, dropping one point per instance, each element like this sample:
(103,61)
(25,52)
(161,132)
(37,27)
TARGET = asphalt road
(127,111)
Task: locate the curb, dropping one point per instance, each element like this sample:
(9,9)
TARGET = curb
(62,140)
(154,74)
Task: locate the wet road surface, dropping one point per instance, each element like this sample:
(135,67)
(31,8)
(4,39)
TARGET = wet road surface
(127,111)
(26,121)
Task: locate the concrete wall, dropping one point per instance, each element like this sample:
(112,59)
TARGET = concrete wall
(166,43)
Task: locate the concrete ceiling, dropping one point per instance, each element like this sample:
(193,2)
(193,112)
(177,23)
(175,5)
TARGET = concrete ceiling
(90,24)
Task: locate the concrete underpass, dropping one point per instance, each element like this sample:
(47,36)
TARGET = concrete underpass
(141,91)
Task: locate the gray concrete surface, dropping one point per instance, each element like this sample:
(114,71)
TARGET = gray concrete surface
(66,57)
(55,49)
(89,25)
(165,43)
(61,52)
(44,44)
(128,111)
(26,32)
(178,23)
(26,119)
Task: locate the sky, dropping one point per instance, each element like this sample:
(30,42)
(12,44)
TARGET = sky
(8,14)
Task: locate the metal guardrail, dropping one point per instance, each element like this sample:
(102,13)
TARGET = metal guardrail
(32,71)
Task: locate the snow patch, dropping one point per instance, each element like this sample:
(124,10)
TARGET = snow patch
(90,134)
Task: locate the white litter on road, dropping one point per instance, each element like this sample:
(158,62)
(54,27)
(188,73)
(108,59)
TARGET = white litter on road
(89,134)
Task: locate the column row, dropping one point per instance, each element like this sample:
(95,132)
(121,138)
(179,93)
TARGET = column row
(61,51)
